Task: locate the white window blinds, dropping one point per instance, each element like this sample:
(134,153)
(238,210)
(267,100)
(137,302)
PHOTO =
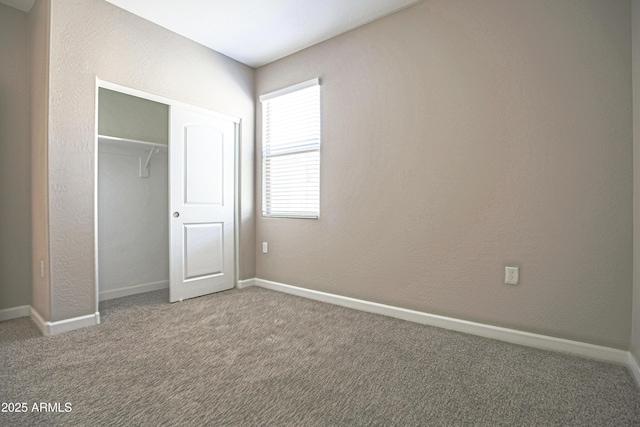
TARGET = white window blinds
(291,151)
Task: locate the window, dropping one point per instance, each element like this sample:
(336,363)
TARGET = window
(291,151)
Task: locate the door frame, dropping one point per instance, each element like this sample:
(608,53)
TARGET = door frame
(171,103)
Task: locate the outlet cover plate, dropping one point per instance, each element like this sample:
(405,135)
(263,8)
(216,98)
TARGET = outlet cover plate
(511,274)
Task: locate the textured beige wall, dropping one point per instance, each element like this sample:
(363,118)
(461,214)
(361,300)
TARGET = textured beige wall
(92,38)
(635,36)
(130,117)
(459,136)
(15,203)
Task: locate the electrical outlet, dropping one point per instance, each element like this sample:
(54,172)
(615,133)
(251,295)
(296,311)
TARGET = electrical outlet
(511,274)
(265,247)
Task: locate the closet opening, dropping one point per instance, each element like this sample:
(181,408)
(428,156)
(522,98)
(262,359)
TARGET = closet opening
(166,196)
(132,195)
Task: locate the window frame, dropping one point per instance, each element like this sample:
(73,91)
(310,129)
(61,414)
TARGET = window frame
(265,157)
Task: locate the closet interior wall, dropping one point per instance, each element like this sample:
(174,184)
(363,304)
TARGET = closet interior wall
(133,239)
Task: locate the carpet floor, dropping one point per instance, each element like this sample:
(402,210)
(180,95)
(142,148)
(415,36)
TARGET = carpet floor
(255,357)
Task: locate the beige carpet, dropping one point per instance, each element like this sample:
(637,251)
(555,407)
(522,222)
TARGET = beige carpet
(257,357)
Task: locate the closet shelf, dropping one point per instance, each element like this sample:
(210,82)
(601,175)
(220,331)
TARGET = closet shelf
(124,142)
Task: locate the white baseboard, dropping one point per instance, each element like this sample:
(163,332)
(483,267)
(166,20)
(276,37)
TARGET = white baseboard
(544,342)
(125,291)
(66,325)
(14,312)
(246,283)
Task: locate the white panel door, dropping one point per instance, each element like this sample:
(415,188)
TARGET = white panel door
(201,200)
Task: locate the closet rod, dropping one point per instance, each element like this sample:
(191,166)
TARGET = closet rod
(113,140)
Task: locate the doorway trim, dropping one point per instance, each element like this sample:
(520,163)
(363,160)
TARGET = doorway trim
(171,103)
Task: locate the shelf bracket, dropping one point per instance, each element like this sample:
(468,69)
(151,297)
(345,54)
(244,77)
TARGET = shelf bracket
(144,169)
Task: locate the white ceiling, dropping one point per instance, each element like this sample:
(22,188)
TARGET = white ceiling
(256,32)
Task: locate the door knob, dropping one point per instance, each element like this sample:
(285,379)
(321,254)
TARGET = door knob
(176,214)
